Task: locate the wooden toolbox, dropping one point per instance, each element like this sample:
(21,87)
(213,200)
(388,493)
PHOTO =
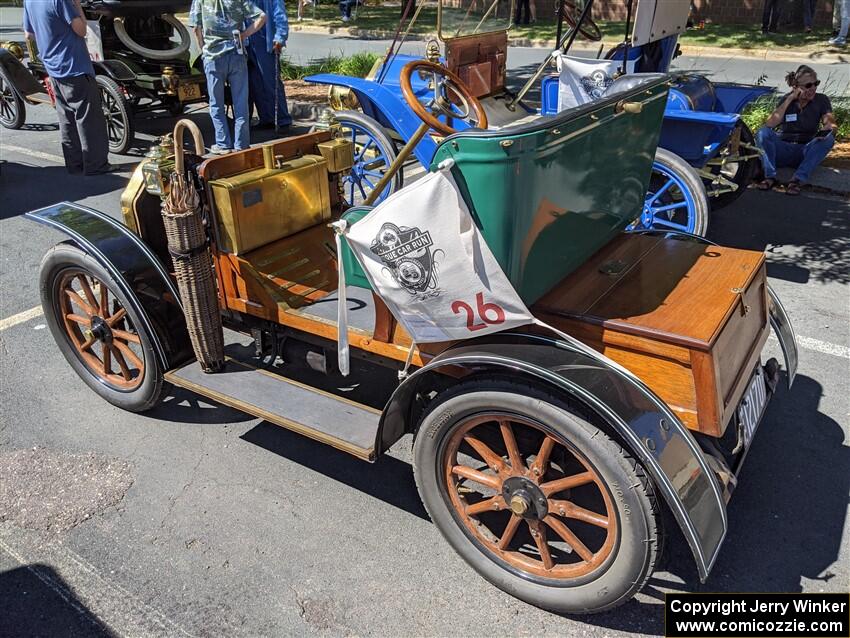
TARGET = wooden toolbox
(689,319)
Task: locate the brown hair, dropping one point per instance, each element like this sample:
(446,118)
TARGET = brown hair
(792,77)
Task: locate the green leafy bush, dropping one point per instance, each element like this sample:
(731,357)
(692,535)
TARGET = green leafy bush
(357,65)
(759,110)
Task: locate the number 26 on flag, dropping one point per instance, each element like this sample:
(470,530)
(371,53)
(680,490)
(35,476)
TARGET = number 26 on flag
(488,313)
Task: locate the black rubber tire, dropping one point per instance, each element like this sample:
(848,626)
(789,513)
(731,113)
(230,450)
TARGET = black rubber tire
(118,113)
(13,110)
(692,180)
(640,532)
(57,260)
(379,135)
(744,174)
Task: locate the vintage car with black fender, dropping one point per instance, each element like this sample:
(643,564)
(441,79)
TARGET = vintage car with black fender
(546,461)
(142,63)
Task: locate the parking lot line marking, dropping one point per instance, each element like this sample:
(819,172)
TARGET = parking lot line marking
(50,157)
(82,586)
(834,349)
(60,591)
(21,317)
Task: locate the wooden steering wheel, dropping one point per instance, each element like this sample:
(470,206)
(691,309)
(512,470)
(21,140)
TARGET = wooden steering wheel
(571,13)
(451,98)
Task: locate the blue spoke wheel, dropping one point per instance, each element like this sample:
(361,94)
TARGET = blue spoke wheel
(675,199)
(374,153)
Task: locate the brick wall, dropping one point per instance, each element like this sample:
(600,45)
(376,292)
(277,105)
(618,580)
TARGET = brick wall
(728,11)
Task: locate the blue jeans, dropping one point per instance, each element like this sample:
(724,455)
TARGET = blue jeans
(345,7)
(230,68)
(263,74)
(809,12)
(804,157)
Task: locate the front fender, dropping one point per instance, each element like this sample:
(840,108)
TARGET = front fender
(137,271)
(23,82)
(385,105)
(652,432)
(115,69)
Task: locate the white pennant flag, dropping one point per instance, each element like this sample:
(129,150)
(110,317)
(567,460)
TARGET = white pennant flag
(425,257)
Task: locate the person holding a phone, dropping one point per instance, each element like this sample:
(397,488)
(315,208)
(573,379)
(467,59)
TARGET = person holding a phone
(219,26)
(806,131)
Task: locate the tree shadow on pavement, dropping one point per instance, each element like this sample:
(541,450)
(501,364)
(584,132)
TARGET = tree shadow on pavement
(805,237)
(25,188)
(36,601)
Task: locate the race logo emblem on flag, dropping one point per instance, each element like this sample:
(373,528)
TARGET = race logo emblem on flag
(408,257)
(596,83)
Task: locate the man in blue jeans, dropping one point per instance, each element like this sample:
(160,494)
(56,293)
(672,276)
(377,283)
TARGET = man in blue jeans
(59,30)
(263,69)
(801,143)
(219,27)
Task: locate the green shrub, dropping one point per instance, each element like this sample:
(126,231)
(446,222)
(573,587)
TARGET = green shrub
(357,65)
(759,110)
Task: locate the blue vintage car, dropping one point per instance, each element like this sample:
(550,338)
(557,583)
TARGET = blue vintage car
(706,152)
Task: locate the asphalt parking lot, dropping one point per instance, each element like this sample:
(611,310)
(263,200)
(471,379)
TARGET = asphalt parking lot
(195,519)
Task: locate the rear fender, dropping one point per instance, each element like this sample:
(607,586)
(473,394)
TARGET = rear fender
(696,136)
(137,271)
(385,105)
(733,98)
(784,332)
(651,431)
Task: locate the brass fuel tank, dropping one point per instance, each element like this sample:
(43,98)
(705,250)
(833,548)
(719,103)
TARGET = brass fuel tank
(265,204)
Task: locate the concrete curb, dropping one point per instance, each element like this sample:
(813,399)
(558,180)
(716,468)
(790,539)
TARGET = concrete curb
(825,179)
(826,57)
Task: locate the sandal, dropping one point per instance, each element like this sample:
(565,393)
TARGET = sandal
(766,184)
(792,188)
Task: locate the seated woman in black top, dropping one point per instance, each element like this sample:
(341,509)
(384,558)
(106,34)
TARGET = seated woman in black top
(801,143)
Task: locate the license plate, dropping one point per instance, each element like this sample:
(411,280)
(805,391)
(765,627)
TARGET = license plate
(752,406)
(187,92)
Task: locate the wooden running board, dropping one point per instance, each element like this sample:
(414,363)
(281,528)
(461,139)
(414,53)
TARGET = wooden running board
(341,423)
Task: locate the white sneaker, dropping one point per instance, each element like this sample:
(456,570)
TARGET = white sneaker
(345,18)
(215,149)
(838,42)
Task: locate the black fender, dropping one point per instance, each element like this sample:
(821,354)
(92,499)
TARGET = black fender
(779,320)
(23,81)
(141,276)
(114,69)
(653,433)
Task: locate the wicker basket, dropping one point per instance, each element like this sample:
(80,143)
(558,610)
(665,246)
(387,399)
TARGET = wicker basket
(187,243)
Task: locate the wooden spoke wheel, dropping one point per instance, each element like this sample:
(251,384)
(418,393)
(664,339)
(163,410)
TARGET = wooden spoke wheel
(96,324)
(542,503)
(12,108)
(98,330)
(531,499)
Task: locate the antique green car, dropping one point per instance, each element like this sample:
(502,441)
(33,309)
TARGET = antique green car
(546,461)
